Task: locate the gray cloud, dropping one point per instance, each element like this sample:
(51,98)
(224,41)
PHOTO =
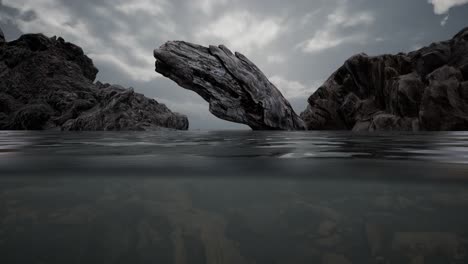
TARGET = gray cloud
(443,6)
(298,44)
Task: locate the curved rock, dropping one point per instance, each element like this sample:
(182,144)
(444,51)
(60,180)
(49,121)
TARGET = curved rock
(423,90)
(47,83)
(235,88)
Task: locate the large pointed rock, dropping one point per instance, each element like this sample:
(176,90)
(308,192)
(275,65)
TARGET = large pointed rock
(235,88)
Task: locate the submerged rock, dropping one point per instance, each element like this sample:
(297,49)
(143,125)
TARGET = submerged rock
(235,88)
(47,83)
(422,90)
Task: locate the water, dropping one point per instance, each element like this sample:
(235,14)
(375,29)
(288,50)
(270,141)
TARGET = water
(233,197)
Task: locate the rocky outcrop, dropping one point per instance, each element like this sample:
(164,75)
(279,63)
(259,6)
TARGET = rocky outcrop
(422,90)
(235,88)
(47,83)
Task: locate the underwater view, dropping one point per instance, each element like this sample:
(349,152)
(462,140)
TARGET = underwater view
(233,132)
(233,197)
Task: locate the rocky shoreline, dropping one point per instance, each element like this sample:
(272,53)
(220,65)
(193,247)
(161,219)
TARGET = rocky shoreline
(47,83)
(425,90)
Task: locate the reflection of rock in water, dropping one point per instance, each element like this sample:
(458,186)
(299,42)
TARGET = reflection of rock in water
(230,221)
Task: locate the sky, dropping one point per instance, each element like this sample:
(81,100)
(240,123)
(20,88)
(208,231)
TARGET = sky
(297,44)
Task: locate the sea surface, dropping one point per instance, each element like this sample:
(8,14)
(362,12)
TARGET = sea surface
(233,197)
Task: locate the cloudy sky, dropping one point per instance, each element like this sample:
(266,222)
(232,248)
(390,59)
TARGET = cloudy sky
(298,44)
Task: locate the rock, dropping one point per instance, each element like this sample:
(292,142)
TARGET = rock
(2,36)
(388,122)
(31,117)
(443,107)
(123,109)
(234,87)
(47,83)
(421,90)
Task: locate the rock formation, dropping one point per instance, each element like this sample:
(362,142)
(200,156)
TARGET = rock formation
(47,83)
(422,90)
(235,88)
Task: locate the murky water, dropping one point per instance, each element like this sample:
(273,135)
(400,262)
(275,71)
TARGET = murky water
(233,197)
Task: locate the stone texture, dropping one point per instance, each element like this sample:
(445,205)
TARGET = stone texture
(47,83)
(421,90)
(235,88)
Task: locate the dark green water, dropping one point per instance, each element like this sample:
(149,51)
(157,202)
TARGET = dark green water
(233,197)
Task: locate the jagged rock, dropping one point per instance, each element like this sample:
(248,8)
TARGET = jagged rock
(235,88)
(421,90)
(47,83)
(121,108)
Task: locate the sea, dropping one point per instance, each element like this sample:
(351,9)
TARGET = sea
(233,197)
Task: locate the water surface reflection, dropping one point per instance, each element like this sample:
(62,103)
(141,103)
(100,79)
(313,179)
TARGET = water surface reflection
(233,197)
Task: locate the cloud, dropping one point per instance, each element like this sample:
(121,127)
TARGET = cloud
(109,42)
(276,59)
(207,6)
(152,7)
(292,89)
(444,21)
(443,6)
(241,31)
(305,20)
(331,35)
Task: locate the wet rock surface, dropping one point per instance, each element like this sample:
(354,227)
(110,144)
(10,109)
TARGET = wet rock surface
(47,83)
(235,88)
(421,90)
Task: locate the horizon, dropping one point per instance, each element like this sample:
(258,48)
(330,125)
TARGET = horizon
(297,47)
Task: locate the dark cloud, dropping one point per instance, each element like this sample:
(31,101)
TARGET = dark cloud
(298,44)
